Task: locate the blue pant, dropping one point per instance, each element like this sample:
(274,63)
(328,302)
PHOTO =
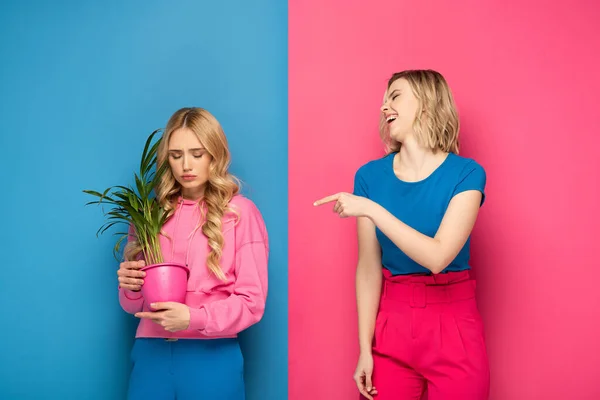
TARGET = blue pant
(187,369)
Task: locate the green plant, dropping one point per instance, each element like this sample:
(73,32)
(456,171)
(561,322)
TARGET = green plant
(137,206)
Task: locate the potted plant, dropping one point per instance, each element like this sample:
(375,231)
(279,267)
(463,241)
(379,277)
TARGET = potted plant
(138,208)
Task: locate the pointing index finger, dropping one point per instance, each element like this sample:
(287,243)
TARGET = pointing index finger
(328,199)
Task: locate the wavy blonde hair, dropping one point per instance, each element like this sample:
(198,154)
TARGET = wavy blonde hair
(436,124)
(220,187)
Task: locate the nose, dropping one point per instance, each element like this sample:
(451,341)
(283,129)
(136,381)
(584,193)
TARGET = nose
(186,163)
(384,106)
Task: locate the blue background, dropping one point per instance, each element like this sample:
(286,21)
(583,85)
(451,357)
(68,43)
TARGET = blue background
(82,84)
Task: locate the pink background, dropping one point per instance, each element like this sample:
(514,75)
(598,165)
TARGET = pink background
(525,77)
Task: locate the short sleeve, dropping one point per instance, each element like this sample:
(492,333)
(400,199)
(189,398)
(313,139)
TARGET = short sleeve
(360,184)
(473,177)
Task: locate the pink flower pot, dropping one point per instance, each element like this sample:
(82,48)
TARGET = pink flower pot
(165,282)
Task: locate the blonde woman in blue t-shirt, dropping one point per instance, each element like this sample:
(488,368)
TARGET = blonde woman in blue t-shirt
(419,325)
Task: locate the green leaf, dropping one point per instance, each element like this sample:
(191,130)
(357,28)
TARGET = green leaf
(125,189)
(159,173)
(93,193)
(138,208)
(140,186)
(148,154)
(117,247)
(106,227)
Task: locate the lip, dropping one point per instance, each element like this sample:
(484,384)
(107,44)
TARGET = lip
(188,177)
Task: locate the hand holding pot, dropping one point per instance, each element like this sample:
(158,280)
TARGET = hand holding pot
(130,277)
(171,315)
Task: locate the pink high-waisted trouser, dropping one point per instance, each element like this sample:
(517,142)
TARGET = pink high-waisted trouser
(429,337)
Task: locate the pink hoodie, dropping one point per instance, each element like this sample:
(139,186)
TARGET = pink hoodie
(218,309)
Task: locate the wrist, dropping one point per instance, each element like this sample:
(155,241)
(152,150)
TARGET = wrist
(372,210)
(366,348)
(367,351)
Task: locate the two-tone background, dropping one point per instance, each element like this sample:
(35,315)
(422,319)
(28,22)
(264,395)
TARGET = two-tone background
(297,86)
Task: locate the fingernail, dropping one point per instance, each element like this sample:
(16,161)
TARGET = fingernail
(152,305)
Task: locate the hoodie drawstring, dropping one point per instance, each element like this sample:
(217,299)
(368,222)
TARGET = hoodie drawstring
(190,236)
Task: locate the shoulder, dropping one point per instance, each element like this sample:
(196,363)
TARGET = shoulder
(464,166)
(468,174)
(242,204)
(250,224)
(375,166)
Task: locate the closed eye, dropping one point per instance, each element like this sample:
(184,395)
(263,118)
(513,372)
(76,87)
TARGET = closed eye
(177,154)
(394,94)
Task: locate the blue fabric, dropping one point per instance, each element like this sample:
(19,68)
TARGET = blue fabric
(421,205)
(187,369)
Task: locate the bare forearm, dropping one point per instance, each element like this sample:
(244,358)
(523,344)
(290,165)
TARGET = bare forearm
(368,291)
(424,250)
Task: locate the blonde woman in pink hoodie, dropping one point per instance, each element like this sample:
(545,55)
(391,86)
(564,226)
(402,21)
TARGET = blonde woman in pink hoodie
(190,350)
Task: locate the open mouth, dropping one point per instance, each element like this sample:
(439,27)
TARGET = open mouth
(391,119)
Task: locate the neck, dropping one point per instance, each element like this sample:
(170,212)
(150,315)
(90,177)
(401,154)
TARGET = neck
(415,161)
(193,194)
(413,156)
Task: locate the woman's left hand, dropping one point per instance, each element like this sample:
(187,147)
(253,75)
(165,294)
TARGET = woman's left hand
(170,315)
(348,205)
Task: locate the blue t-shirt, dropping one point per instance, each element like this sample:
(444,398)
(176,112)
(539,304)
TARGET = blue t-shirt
(421,204)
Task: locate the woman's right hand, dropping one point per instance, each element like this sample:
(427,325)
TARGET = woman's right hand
(363,374)
(130,277)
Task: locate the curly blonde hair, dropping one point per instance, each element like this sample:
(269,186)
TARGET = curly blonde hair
(436,125)
(221,186)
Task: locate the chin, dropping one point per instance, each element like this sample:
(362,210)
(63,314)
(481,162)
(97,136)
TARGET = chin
(193,185)
(397,138)
(399,135)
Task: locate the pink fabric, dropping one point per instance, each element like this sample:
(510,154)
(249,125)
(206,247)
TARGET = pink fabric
(429,336)
(218,308)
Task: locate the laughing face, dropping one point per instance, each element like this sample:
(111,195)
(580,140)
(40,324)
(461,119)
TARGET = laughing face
(400,108)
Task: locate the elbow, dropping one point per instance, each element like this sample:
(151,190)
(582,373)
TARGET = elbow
(256,309)
(258,316)
(253,316)
(438,265)
(439,258)
(436,270)
(259,311)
